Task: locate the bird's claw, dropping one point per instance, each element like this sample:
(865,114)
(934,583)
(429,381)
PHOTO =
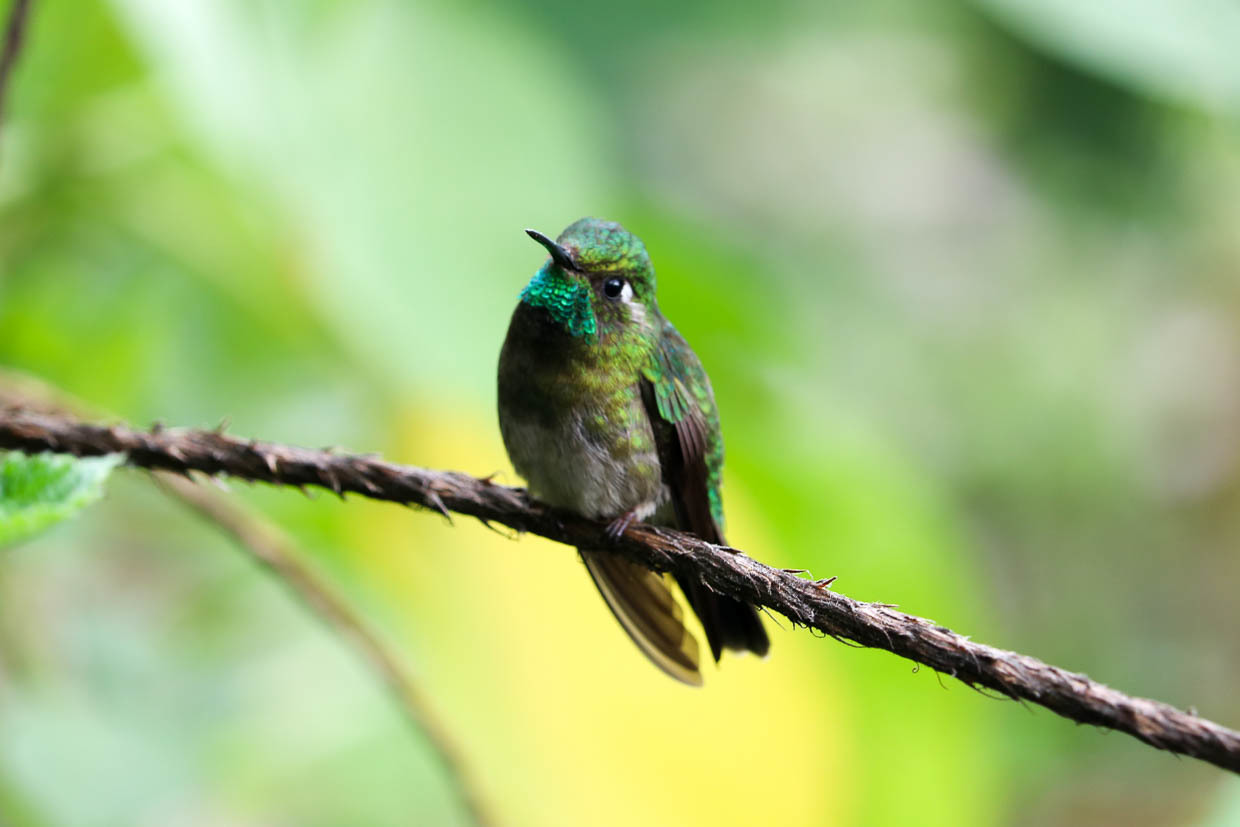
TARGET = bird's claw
(617,527)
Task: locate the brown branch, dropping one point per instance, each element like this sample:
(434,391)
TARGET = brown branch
(271,548)
(14,37)
(809,603)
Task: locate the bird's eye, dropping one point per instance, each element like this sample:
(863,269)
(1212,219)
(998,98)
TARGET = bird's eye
(612,288)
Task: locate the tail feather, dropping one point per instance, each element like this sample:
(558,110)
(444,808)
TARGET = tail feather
(728,623)
(642,602)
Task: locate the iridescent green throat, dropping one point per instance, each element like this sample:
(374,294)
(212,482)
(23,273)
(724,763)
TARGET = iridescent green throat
(565,298)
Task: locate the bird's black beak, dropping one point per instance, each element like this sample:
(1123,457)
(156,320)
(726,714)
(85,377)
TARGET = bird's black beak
(558,254)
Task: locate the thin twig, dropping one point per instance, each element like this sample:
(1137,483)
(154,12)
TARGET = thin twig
(272,548)
(265,542)
(14,37)
(725,570)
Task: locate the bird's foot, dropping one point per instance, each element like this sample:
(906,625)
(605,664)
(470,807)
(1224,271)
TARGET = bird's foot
(617,527)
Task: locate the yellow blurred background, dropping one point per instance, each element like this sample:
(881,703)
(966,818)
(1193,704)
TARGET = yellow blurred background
(963,275)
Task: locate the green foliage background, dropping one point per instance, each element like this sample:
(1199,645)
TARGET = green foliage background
(963,275)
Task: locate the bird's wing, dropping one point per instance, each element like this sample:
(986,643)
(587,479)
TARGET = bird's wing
(682,411)
(681,407)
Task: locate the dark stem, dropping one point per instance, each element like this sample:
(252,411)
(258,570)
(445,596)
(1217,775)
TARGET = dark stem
(806,602)
(14,37)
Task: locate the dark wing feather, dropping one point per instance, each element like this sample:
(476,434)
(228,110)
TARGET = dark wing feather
(681,407)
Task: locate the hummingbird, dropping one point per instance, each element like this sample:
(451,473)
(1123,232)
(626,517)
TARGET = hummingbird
(606,411)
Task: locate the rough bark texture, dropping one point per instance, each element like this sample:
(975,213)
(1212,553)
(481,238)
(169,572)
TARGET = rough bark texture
(727,570)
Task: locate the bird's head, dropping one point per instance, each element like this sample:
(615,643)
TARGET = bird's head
(599,279)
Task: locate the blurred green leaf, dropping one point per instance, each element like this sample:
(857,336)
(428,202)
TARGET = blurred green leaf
(1182,51)
(405,209)
(40,491)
